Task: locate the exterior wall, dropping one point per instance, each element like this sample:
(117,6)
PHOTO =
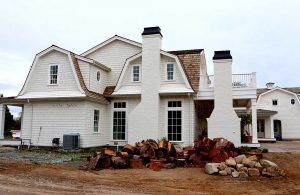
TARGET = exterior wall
(128,74)
(163,71)
(39,80)
(85,71)
(114,55)
(62,117)
(288,114)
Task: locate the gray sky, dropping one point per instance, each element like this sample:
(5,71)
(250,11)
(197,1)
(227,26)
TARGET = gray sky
(263,36)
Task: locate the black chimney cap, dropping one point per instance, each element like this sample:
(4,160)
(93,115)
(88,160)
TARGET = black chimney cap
(151,30)
(219,55)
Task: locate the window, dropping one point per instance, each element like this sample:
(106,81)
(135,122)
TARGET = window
(53,74)
(119,121)
(136,73)
(292,101)
(174,118)
(96,121)
(275,102)
(170,72)
(98,76)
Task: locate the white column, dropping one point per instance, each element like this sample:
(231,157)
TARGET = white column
(254,121)
(2,120)
(271,127)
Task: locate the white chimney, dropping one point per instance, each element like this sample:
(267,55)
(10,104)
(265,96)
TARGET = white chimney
(223,121)
(148,108)
(270,85)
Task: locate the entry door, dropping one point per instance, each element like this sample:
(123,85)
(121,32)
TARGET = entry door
(277,130)
(261,128)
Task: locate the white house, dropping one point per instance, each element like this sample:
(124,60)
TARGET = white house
(122,91)
(282,121)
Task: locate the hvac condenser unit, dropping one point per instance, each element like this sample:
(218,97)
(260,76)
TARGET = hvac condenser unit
(71,141)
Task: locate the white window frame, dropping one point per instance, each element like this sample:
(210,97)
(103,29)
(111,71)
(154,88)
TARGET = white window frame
(182,117)
(112,121)
(49,74)
(132,73)
(275,100)
(98,122)
(166,71)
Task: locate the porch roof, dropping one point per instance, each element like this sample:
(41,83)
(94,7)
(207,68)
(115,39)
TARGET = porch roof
(260,112)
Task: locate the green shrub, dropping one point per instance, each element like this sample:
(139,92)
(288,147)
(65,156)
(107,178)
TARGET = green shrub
(265,150)
(246,149)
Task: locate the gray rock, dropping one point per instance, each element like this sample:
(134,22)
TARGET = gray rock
(230,162)
(239,166)
(253,172)
(228,170)
(211,168)
(223,173)
(243,175)
(248,163)
(266,163)
(222,166)
(258,166)
(235,174)
(239,159)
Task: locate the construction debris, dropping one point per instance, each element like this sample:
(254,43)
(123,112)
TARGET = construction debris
(164,154)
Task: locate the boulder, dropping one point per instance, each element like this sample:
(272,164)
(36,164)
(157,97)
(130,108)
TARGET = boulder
(243,175)
(244,169)
(253,172)
(235,174)
(239,166)
(258,166)
(223,173)
(211,168)
(239,159)
(253,158)
(222,166)
(266,163)
(228,170)
(230,162)
(248,163)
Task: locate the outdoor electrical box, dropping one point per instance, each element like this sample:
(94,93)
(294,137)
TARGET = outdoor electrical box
(71,141)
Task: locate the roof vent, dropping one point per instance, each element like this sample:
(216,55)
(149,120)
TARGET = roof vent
(270,85)
(152,30)
(219,55)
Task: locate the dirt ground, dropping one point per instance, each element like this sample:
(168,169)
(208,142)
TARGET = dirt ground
(32,178)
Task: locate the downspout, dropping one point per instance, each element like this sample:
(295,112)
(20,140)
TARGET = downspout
(31,119)
(189,95)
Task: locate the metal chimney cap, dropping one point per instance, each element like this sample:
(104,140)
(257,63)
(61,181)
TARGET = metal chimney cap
(270,85)
(152,30)
(219,55)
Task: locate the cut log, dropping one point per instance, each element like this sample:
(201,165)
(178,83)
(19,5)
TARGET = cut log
(136,164)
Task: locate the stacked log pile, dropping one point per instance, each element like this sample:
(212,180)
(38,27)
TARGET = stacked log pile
(155,155)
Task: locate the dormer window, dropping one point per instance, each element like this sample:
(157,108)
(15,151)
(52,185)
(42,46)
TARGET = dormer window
(170,72)
(53,74)
(136,72)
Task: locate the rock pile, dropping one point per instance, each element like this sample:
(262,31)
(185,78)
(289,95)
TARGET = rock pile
(244,167)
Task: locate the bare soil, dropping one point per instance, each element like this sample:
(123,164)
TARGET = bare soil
(31,178)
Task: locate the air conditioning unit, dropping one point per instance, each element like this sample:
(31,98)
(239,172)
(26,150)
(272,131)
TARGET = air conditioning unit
(71,141)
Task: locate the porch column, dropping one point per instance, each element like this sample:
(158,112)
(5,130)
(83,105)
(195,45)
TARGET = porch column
(271,127)
(254,121)
(2,120)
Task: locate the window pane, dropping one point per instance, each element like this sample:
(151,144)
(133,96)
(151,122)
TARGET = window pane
(174,125)
(119,124)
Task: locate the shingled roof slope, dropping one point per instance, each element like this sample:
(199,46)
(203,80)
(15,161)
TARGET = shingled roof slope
(87,92)
(191,60)
(295,90)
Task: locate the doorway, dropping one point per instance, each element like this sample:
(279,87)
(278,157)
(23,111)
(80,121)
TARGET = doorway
(261,128)
(277,130)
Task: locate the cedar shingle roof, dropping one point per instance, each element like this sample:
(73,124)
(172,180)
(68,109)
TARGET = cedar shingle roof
(191,60)
(109,90)
(295,90)
(87,92)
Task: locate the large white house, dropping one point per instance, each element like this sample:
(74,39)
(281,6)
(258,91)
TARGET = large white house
(122,91)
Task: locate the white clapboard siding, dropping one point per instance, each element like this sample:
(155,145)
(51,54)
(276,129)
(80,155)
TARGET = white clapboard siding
(39,81)
(287,113)
(95,85)
(178,79)
(114,55)
(127,80)
(58,118)
(85,71)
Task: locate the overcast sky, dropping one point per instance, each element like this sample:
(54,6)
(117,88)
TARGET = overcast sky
(263,36)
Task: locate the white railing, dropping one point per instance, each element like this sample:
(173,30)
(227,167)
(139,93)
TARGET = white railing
(238,81)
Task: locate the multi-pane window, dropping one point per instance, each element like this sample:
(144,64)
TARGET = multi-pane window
(275,102)
(136,73)
(170,72)
(53,74)
(119,121)
(96,121)
(174,121)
